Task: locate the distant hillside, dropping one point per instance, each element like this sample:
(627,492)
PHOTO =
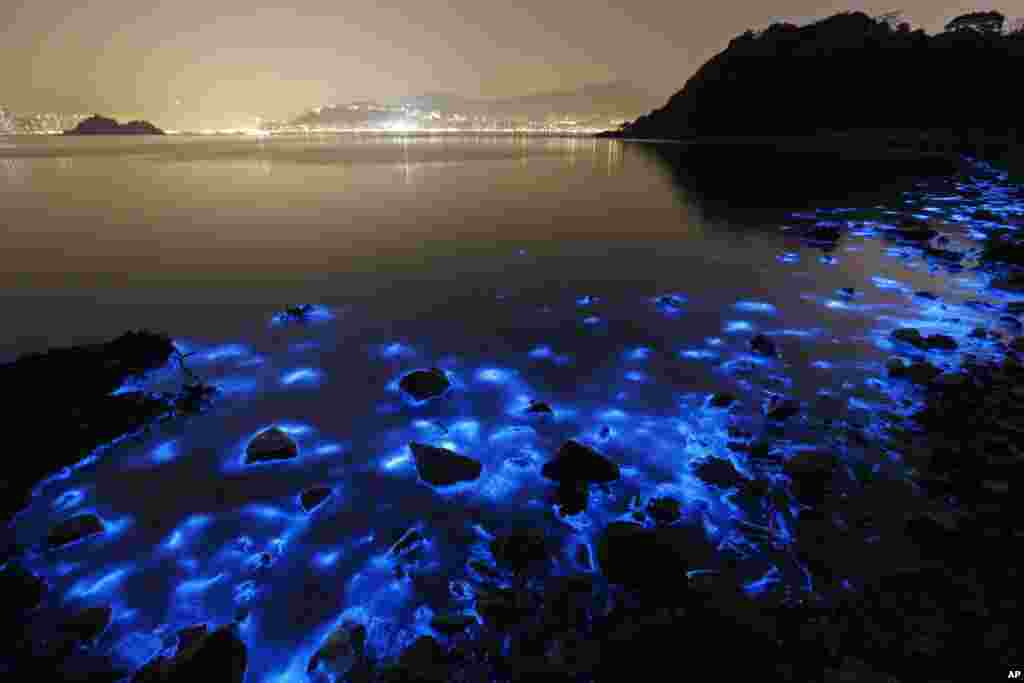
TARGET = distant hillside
(99,125)
(850,72)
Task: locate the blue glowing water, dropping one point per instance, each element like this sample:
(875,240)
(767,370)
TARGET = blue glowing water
(623,327)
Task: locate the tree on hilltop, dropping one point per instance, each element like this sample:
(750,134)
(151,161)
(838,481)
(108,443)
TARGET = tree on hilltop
(984,22)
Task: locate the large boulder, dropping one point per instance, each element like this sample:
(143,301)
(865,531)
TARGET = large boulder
(269,445)
(219,656)
(424,384)
(74,529)
(341,650)
(575,462)
(442,467)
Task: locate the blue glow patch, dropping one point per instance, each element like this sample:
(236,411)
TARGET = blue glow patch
(466,429)
(303,376)
(494,375)
(636,376)
(821,365)
(328,449)
(639,353)
(587,300)
(397,461)
(326,559)
(165,452)
(396,350)
(245,592)
(755,307)
(591,320)
(886,283)
(313,314)
(69,499)
(738,326)
(101,586)
(612,414)
(698,354)
(234,386)
(541,352)
(300,347)
(224,352)
(788,257)
(195,586)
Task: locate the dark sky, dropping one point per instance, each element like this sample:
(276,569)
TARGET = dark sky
(219,63)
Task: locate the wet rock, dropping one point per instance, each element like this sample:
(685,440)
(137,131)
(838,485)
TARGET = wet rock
(919,372)
(664,510)
(520,550)
(450,623)
(311,498)
(1014,282)
(74,529)
(189,636)
(442,467)
(85,626)
(341,650)
(539,407)
(576,462)
(424,384)
(848,292)
(781,408)
(22,590)
(984,215)
(297,313)
(926,295)
(269,445)
(763,345)
(652,561)
(219,656)
(722,400)
(1015,307)
(718,472)
(572,496)
(912,336)
(823,232)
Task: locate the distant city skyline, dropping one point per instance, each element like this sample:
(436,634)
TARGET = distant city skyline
(187,64)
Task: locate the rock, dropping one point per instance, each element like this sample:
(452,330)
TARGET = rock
(442,467)
(424,384)
(189,636)
(781,408)
(576,462)
(22,590)
(572,496)
(539,407)
(74,529)
(311,498)
(1015,307)
(848,292)
(520,550)
(341,650)
(652,561)
(664,510)
(85,626)
(219,656)
(926,295)
(763,345)
(450,623)
(1013,282)
(722,400)
(823,232)
(984,215)
(918,372)
(718,472)
(269,445)
(912,336)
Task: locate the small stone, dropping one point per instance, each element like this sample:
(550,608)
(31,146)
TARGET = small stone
(781,408)
(926,295)
(442,467)
(311,498)
(763,345)
(664,510)
(539,407)
(74,529)
(718,472)
(269,445)
(424,384)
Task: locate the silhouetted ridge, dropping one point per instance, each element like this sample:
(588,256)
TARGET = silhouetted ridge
(849,72)
(100,125)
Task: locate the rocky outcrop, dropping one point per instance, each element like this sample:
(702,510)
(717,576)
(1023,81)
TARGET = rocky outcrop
(843,73)
(269,445)
(218,656)
(442,467)
(100,125)
(425,384)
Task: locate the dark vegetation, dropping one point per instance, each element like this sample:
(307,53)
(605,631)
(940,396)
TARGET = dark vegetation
(100,125)
(853,74)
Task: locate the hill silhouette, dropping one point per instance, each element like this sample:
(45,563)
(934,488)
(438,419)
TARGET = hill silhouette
(850,72)
(100,125)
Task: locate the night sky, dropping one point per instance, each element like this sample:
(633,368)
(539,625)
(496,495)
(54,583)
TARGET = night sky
(195,63)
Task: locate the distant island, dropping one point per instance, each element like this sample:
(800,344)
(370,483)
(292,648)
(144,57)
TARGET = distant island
(100,125)
(855,77)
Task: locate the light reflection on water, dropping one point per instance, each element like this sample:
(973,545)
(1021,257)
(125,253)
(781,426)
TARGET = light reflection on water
(620,316)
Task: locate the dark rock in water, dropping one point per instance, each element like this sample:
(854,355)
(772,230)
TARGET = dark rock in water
(99,125)
(424,661)
(297,313)
(763,345)
(1015,307)
(341,650)
(918,372)
(576,462)
(74,529)
(572,496)
(664,510)
(539,407)
(912,233)
(219,656)
(718,472)
(1014,282)
(85,626)
(520,550)
(781,408)
(271,444)
(190,635)
(912,336)
(311,498)
(823,233)
(424,384)
(722,400)
(442,467)
(22,590)
(984,215)
(1010,322)
(450,623)
(653,561)
(926,295)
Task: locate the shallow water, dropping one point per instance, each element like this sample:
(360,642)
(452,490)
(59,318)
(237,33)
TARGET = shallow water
(583,273)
